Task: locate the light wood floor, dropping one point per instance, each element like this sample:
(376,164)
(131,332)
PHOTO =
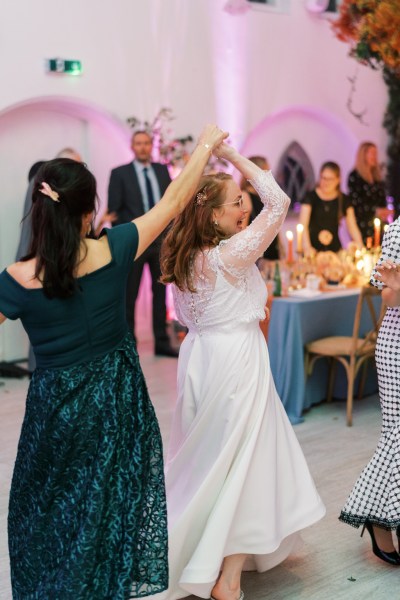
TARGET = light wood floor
(332,554)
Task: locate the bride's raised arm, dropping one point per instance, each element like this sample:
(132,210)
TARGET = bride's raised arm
(245,247)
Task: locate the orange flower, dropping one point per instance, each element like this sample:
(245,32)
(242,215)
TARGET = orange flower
(375,26)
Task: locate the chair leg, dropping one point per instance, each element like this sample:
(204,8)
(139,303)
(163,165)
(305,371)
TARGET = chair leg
(331,378)
(363,379)
(350,389)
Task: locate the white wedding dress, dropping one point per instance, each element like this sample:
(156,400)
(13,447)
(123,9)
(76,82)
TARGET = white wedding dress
(237,480)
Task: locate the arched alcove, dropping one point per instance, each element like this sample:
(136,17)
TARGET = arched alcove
(37,129)
(295,173)
(319,136)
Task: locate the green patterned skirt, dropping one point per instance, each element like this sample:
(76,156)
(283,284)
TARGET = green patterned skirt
(87,518)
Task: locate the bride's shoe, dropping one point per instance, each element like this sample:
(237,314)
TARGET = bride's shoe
(241,597)
(393,558)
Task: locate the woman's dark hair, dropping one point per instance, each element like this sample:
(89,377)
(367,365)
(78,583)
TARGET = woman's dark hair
(34,169)
(57,226)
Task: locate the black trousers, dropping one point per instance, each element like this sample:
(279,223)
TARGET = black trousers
(151,257)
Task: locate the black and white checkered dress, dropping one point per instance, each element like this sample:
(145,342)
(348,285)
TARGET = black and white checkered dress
(376,494)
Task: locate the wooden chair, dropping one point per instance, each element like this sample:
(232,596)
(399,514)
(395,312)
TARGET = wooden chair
(351,351)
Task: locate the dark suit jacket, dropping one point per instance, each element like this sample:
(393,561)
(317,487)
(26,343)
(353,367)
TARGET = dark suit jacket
(124,195)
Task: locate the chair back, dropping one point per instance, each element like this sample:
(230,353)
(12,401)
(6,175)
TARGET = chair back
(367,293)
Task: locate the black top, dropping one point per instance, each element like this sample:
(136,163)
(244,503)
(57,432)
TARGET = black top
(325,216)
(365,198)
(69,331)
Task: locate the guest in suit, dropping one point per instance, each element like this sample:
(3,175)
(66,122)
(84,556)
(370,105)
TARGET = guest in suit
(133,190)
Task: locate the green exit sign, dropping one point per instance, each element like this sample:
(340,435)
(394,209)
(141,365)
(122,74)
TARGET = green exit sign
(63,66)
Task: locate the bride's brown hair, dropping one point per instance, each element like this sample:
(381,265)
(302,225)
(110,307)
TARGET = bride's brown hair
(193,230)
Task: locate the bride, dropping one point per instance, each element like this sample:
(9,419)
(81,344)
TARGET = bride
(238,486)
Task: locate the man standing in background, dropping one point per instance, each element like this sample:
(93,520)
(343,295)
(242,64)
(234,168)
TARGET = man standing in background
(133,190)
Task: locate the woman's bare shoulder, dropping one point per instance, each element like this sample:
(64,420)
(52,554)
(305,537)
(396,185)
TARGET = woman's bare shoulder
(24,273)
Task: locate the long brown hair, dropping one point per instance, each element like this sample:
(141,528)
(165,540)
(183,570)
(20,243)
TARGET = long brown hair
(370,174)
(193,230)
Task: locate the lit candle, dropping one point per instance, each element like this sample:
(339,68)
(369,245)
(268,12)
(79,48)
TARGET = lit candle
(377,232)
(360,265)
(289,236)
(299,229)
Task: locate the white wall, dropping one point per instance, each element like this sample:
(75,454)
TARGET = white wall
(190,55)
(139,55)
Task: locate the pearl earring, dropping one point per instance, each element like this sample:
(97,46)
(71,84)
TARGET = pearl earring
(216,223)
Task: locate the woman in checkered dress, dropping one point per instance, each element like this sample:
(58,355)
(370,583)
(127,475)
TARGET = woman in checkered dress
(375,499)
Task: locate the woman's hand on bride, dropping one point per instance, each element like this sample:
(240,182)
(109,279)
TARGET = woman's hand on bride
(212,137)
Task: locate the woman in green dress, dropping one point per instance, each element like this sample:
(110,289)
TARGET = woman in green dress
(87,513)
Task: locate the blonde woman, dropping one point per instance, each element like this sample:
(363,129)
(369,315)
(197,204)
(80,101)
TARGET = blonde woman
(367,190)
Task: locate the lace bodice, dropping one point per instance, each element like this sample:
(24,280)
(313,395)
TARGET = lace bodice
(229,287)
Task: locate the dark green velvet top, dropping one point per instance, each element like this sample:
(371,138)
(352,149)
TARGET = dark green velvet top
(68,331)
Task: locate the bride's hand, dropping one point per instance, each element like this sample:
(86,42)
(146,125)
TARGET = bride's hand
(226,152)
(212,136)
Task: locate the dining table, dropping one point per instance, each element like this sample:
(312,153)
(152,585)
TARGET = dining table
(298,319)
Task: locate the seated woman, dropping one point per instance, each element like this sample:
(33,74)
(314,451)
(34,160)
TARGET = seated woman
(322,210)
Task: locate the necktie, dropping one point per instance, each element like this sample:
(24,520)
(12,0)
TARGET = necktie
(149,189)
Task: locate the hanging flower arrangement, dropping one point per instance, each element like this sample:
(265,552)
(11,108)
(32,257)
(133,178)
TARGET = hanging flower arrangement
(372,27)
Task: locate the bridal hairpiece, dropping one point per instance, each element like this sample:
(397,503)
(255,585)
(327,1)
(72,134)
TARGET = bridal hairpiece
(201,197)
(47,191)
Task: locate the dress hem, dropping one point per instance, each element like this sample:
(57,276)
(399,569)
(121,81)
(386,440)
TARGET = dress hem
(358,520)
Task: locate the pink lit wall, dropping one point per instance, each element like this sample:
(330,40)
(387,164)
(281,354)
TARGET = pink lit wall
(268,78)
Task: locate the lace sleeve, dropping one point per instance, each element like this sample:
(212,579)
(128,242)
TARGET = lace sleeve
(243,249)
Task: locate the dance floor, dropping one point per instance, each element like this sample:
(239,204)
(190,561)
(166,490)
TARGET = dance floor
(333,564)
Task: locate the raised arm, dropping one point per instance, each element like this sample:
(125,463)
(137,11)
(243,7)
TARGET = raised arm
(179,191)
(245,247)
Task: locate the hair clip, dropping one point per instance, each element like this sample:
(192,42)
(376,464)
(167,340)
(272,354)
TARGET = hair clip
(201,197)
(47,191)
